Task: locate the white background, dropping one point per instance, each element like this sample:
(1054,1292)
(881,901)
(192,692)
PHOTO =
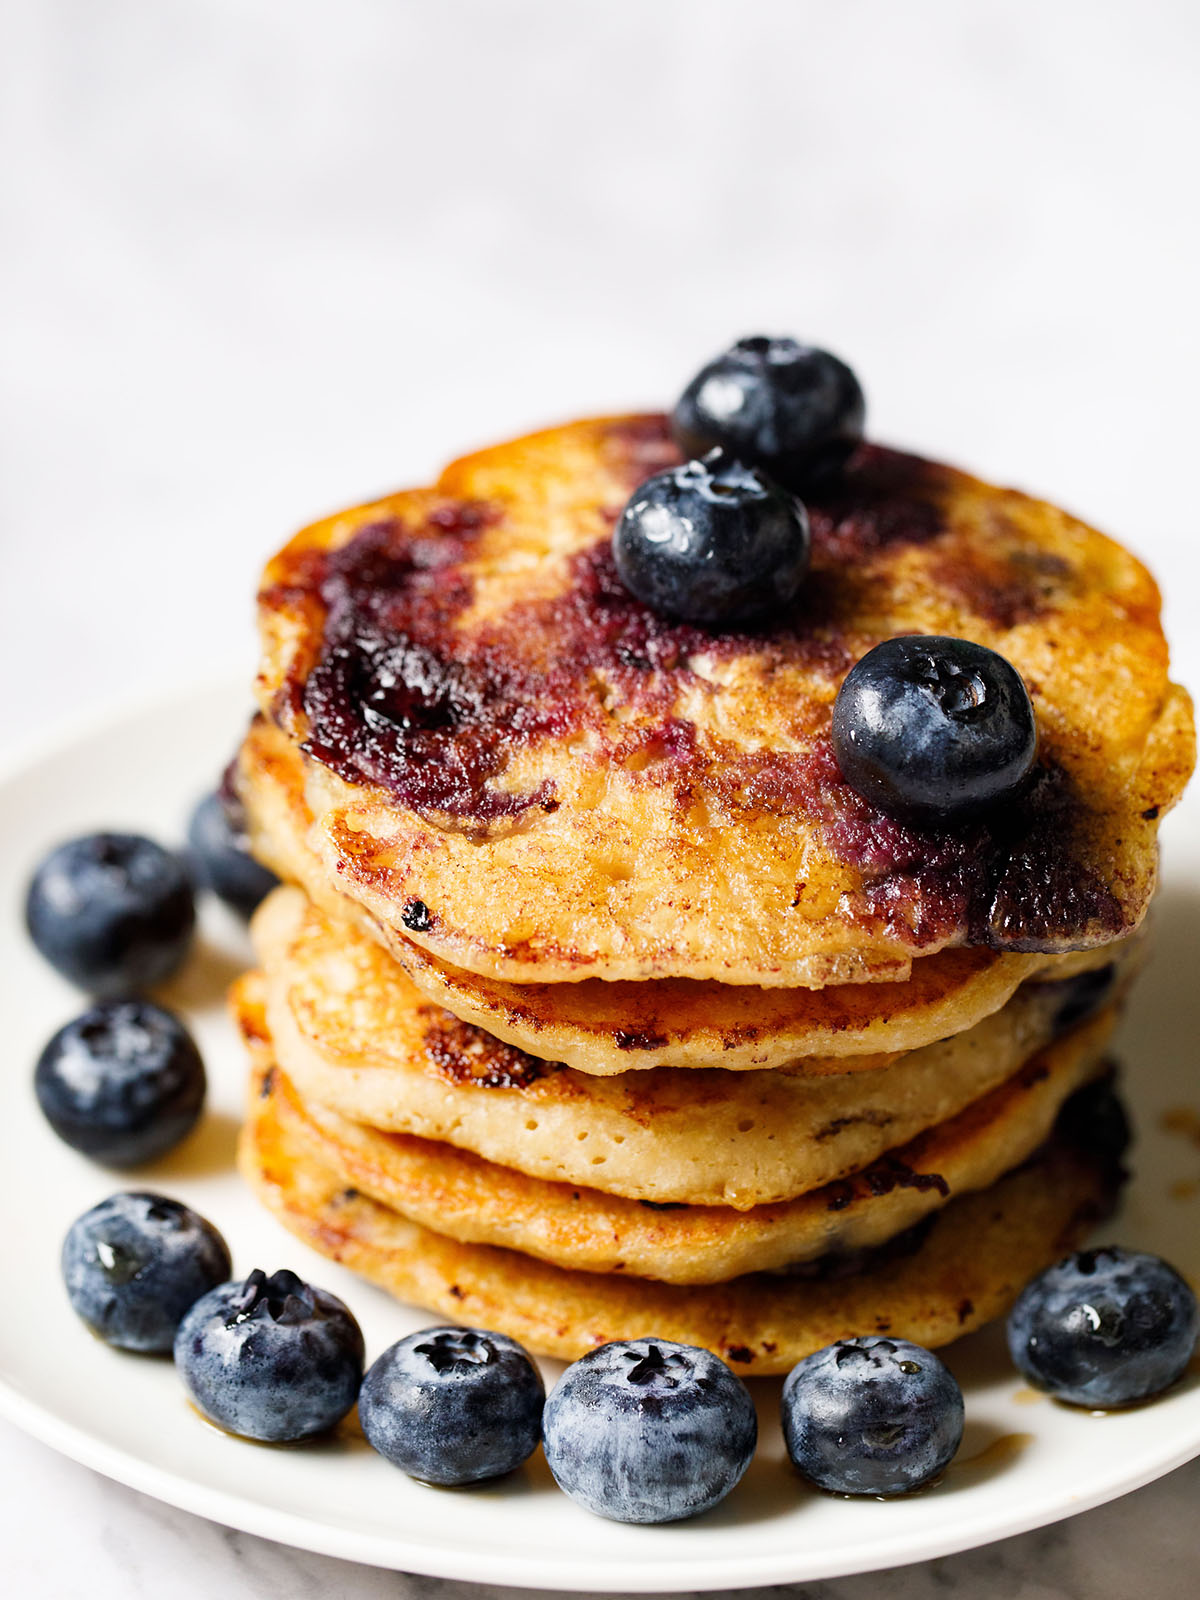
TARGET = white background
(260,260)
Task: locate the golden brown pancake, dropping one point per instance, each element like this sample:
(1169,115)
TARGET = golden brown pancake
(519,767)
(356,1038)
(476,1201)
(969,1266)
(602,1028)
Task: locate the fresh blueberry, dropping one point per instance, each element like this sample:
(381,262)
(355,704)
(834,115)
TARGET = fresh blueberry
(785,406)
(113,912)
(220,853)
(1104,1328)
(933,729)
(649,1431)
(123,1083)
(271,1358)
(453,1405)
(713,542)
(871,1416)
(134,1264)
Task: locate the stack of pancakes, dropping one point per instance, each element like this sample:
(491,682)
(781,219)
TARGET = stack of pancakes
(598,1004)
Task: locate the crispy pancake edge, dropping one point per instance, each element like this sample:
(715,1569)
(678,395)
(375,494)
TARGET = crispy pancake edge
(969,1267)
(603,1028)
(459,1194)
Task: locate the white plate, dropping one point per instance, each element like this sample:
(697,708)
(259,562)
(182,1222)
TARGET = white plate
(1025,1461)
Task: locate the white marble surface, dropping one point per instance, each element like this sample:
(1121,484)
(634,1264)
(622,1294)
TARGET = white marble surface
(261,259)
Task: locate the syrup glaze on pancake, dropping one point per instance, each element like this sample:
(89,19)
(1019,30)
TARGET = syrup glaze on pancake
(604,1028)
(539,778)
(966,1266)
(460,1194)
(354,1036)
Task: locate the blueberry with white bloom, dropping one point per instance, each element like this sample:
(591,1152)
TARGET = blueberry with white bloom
(113,912)
(1105,1327)
(871,1416)
(270,1358)
(135,1263)
(123,1083)
(453,1405)
(649,1431)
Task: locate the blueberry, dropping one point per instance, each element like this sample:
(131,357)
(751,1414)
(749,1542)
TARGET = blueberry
(221,858)
(134,1264)
(649,1431)
(1094,1120)
(271,1358)
(1082,996)
(933,729)
(113,912)
(713,542)
(1104,1328)
(123,1083)
(794,410)
(453,1405)
(871,1416)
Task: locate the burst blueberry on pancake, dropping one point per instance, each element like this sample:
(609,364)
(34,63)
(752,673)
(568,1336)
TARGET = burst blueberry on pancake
(526,771)
(357,1039)
(600,1027)
(458,1193)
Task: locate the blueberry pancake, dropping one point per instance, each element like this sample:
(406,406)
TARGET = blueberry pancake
(966,1265)
(714,849)
(602,1028)
(357,1039)
(519,766)
(477,1201)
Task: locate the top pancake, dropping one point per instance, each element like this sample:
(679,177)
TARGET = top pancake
(525,771)
(604,1028)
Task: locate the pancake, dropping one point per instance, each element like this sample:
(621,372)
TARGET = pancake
(601,1028)
(459,1194)
(967,1267)
(522,769)
(355,1037)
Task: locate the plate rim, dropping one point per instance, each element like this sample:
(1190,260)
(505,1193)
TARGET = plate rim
(502,1569)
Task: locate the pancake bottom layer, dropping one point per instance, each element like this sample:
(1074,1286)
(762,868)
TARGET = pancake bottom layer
(967,1266)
